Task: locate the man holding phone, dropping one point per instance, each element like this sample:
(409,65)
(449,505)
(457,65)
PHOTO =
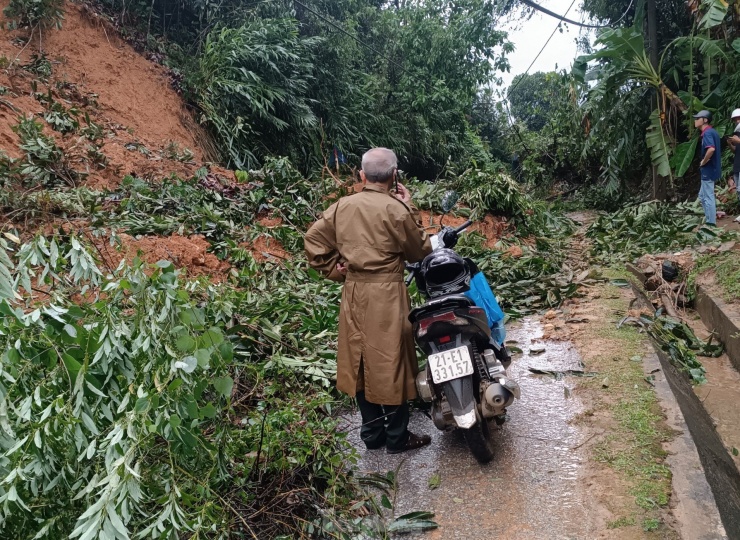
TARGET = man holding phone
(734,142)
(363,240)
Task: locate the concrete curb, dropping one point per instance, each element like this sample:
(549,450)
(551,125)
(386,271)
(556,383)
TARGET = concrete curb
(716,314)
(720,471)
(693,504)
(719,468)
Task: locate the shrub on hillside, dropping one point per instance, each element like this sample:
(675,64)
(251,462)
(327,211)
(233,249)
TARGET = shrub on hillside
(35,13)
(251,85)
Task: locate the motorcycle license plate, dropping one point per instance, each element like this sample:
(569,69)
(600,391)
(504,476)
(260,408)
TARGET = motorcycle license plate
(451,364)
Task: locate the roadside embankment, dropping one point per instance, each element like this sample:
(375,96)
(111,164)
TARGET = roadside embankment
(706,407)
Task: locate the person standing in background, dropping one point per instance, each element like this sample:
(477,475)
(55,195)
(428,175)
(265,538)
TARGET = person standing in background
(734,142)
(710,166)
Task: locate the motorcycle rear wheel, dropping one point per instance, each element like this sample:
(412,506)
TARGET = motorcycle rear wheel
(478,441)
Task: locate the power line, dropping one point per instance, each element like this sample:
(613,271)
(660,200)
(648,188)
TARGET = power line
(563,18)
(541,50)
(343,31)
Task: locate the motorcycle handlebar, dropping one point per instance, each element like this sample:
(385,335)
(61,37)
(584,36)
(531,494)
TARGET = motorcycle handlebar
(464,226)
(412,268)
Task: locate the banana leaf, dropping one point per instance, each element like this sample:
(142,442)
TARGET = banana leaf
(684,155)
(660,150)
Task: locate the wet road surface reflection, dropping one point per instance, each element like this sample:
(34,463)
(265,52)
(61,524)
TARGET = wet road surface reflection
(531,488)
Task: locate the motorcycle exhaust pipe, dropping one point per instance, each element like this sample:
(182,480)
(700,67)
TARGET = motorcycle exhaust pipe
(496,399)
(423,388)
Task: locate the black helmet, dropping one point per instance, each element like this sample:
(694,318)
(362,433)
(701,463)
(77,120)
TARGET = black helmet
(445,272)
(704,114)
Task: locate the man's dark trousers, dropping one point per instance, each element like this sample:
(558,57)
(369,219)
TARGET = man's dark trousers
(383,425)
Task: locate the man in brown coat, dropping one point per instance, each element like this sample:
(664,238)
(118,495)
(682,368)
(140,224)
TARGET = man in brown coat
(364,240)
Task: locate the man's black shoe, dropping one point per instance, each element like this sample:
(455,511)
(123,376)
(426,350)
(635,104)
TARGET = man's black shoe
(412,443)
(375,445)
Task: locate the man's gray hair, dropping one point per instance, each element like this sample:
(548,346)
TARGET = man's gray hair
(378,164)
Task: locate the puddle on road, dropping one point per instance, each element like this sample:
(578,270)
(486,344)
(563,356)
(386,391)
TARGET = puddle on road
(720,393)
(531,489)
(719,396)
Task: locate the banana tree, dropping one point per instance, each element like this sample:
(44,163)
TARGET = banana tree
(623,61)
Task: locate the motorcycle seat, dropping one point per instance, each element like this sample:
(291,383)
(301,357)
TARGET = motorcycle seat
(450,301)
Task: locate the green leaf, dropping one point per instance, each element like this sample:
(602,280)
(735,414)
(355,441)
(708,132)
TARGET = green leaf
(187,364)
(224,386)
(406,526)
(166,266)
(271,334)
(434,481)
(657,142)
(209,411)
(142,405)
(419,514)
(226,350)
(203,356)
(684,155)
(716,12)
(72,365)
(212,338)
(385,501)
(185,343)
(7,290)
(194,317)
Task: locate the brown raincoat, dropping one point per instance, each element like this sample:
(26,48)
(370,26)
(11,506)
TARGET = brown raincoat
(373,233)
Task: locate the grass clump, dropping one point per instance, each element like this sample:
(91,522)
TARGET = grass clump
(634,447)
(726,273)
(621,522)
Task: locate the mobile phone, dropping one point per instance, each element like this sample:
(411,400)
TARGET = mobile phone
(396,183)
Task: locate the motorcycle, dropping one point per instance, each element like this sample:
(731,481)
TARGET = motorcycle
(465,377)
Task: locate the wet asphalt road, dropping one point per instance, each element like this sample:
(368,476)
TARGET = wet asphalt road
(531,489)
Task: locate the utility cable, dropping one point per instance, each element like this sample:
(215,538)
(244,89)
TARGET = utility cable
(359,41)
(563,18)
(521,78)
(343,31)
(506,101)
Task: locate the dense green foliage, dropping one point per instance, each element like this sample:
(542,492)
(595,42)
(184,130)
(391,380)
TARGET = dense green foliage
(34,13)
(533,97)
(650,227)
(140,404)
(284,78)
(620,113)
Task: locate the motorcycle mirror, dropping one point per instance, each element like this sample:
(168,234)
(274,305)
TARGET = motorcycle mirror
(449,200)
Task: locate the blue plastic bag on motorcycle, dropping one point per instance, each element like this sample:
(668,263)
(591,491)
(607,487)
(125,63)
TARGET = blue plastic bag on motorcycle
(482,295)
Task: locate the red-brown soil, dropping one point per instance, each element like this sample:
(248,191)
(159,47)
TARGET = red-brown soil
(145,122)
(493,228)
(267,249)
(189,253)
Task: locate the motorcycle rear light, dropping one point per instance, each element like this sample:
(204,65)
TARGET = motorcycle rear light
(476,311)
(448,317)
(445,339)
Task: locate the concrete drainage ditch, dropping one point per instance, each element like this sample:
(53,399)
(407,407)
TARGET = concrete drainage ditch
(701,418)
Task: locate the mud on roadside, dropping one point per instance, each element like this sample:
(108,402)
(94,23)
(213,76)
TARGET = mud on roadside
(626,474)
